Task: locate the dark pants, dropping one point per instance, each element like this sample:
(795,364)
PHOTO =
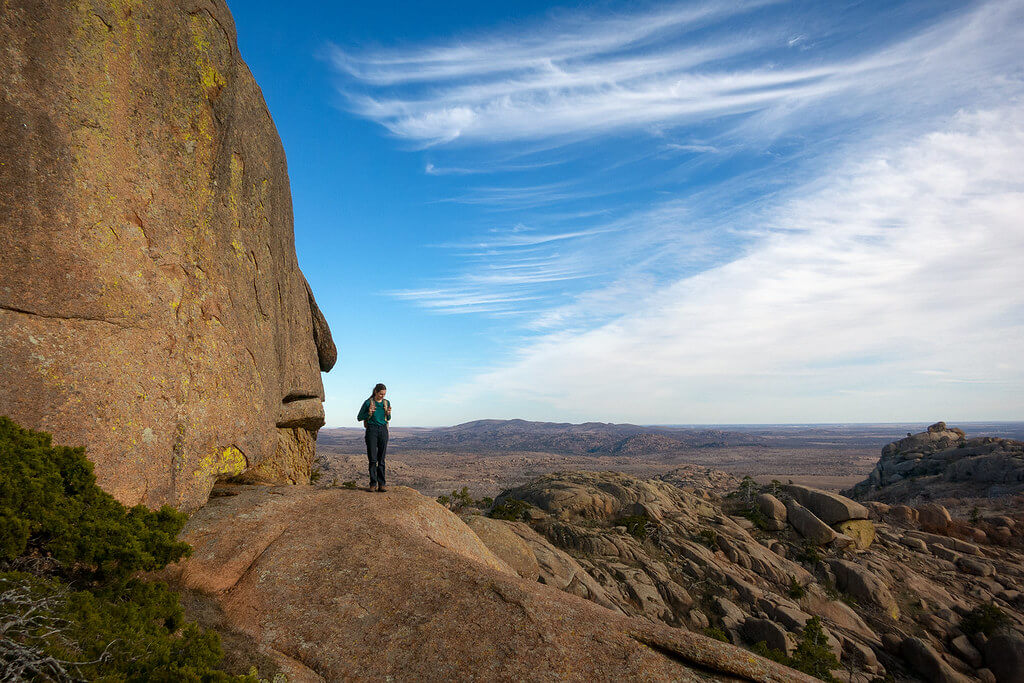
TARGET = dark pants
(376,447)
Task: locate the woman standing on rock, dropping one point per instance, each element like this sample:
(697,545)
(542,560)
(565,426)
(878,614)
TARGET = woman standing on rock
(375,415)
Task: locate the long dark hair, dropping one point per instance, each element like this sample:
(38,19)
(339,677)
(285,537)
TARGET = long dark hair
(373,393)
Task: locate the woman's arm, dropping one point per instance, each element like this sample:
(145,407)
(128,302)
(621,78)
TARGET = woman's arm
(364,411)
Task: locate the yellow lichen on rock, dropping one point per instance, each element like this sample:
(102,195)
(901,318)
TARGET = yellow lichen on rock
(862,531)
(222,462)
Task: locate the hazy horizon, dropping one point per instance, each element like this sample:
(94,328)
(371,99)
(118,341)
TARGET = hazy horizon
(689,425)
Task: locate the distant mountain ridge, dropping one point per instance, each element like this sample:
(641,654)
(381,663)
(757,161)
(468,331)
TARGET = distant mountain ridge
(598,438)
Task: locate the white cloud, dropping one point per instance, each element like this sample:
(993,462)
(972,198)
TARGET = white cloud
(811,254)
(893,265)
(582,76)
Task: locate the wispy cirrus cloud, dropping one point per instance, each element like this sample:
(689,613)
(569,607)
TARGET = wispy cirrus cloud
(584,75)
(768,215)
(569,36)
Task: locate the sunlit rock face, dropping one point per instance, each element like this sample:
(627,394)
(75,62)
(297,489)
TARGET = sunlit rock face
(151,304)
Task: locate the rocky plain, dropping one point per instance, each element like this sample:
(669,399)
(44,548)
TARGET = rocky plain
(153,311)
(915,572)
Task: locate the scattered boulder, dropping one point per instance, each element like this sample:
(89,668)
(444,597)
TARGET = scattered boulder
(965,650)
(829,507)
(1004,656)
(861,531)
(876,509)
(863,656)
(934,518)
(773,635)
(773,510)
(903,514)
(914,543)
(924,660)
(974,566)
(808,524)
(862,584)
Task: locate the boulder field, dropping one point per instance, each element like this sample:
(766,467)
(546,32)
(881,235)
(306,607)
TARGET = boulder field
(152,307)
(756,565)
(344,584)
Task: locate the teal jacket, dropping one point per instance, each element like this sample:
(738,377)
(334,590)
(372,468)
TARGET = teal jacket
(380,413)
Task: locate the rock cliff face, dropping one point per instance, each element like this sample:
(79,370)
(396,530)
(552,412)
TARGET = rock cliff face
(151,306)
(943,462)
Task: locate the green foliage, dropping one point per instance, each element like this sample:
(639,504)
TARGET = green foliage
(811,655)
(707,538)
(50,506)
(761,648)
(748,491)
(808,553)
(637,526)
(755,515)
(134,633)
(457,500)
(796,589)
(975,515)
(349,484)
(510,509)
(987,618)
(716,633)
(79,614)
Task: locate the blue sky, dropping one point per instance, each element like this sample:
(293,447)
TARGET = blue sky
(701,212)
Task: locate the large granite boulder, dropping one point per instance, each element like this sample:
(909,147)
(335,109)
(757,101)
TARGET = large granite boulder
(1004,656)
(151,306)
(576,496)
(942,463)
(298,575)
(808,524)
(829,507)
(865,585)
(925,661)
(773,510)
(862,531)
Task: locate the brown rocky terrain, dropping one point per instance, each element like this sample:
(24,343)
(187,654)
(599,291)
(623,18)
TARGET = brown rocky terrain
(152,307)
(900,589)
(343,584)
(152,310)
(438,460)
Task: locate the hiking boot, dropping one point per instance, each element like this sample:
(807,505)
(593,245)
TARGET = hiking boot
(371,487)
(381,489)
